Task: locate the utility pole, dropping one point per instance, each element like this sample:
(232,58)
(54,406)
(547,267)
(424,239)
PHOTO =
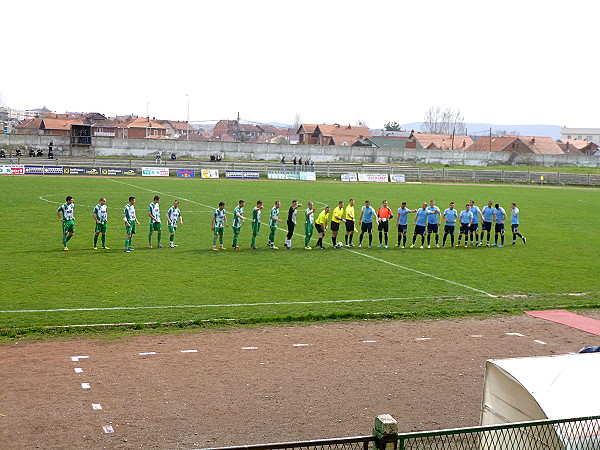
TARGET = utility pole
(188,118)
(490,139)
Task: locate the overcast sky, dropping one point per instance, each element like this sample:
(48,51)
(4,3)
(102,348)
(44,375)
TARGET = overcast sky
(502,62)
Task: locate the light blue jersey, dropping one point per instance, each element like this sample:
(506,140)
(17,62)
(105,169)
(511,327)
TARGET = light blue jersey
(466,216)
(500,215)
(475,210)
(515,216)
(451,215)
(433,214)
(488,213)
(403,216)
(367,212)
(421,218)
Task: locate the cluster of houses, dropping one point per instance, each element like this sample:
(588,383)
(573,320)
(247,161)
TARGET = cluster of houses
(83,127)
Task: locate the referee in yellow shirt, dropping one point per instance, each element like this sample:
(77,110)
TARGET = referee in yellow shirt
(321,226)
(349,216)
(336,218)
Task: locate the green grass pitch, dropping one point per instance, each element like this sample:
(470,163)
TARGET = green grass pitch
(44,286)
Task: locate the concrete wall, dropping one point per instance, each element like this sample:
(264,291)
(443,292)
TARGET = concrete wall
(148,148)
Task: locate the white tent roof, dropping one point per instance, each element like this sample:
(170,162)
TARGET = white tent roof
(553,387)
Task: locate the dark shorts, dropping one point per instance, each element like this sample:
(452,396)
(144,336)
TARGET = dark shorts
(486,226)
(432,228)
(349,225)
(366,227)
(402,228)
(420,229)
(335,226)
(448,229)
(383,226)
(465,228)
(474,227)
(514,227)
(319,228)
(500,228)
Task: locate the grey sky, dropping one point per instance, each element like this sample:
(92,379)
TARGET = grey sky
(503,62)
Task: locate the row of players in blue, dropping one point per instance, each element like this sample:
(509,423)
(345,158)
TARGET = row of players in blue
(427,221)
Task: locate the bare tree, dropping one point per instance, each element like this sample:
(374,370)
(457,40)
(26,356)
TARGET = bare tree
(279,140)
(361,123)
(297,122)
(1,100)
(448,121)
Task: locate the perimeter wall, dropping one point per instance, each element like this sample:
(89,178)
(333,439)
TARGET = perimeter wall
(148,148)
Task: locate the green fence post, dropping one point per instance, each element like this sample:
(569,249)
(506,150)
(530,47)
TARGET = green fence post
(386,432)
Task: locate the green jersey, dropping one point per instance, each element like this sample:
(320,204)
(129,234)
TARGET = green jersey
(274,214)
(219,216)
(129,213)
(256,215)
(237,221)
(174,215)
(154,210)
(100,212)
(67,211)
(310,216)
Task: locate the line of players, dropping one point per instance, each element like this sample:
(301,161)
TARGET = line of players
(426,222)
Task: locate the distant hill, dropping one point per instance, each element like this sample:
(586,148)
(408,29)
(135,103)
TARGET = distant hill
(483,129)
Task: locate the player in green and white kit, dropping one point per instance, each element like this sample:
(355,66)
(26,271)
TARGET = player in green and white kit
(131,221)
(309,225)
(65,214)
(155,224)
(173,213)
(273,219)
(219,222)
(256,222)
(238,221)
(100,215)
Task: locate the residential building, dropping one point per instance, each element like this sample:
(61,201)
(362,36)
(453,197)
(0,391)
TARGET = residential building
(177,129)
(438,141)
(305,134)
(517,144)
(581,134)
(336,134)
(140,127)
(396,142)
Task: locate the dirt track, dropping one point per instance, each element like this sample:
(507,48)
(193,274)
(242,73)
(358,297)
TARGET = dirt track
(301,382)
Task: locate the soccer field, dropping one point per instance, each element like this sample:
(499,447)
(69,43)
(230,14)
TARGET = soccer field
(44,286)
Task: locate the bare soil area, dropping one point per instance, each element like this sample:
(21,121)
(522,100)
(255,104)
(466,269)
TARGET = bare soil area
(258,385)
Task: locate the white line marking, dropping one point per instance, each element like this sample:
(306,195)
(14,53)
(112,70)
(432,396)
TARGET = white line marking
(78,370)
(249,348)
(227,305)
(300,345)
(539,342)
(77,358)
(515,334)
(96,406)
(86,385)
(475,335)
(108,429)
(147,353)
(422,339)
(368,341)
(189,351)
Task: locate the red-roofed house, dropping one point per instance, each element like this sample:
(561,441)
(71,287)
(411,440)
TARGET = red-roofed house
(341,135)
(517,144)
(438,141)
(305,133)
(140,127)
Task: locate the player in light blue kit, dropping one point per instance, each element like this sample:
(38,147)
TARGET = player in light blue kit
(475,224)
(515,224)
(365,222)
(450,216)
(466,218)
(432,223)
(420,224)
(402,222)
(499,217)
(487,215)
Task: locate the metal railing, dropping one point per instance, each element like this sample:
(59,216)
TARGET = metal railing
(349,443)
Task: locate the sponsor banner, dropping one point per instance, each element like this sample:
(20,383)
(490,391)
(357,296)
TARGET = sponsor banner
(81,170)
(397,178)
(130,172)
(53,170)
(210,173)
(155,172)
(34,170)
(12,170)
(110,172)
(186,173)
(242,174)
(377,177)
(349,177)
(308,176)
(283,175)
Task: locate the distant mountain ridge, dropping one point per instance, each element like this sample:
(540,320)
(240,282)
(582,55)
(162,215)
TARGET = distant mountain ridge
(483,129)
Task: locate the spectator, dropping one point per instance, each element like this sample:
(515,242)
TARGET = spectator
(173,157)
(2,154)
(31,153)
(39,152)
(295,162)
(212,157)
(300,163)
(18,152)
(158,158)
(219,159)
(283,164)
(50,154)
